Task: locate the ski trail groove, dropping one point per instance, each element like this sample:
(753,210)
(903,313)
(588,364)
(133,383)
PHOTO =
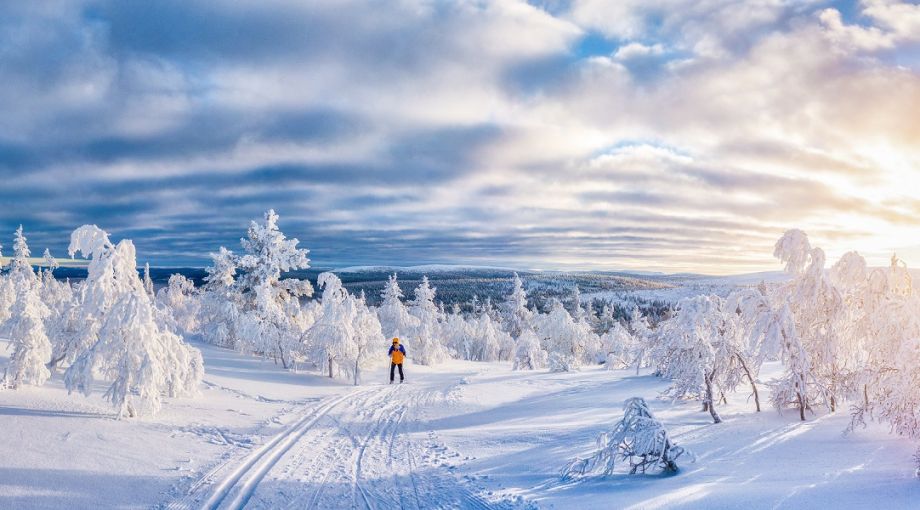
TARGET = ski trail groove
(250,472)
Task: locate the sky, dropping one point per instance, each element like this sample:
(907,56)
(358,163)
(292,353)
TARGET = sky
(682,135)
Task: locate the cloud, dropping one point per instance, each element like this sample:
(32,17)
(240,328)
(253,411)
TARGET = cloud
(672,135)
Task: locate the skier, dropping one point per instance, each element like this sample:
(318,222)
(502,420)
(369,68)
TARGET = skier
(397,354)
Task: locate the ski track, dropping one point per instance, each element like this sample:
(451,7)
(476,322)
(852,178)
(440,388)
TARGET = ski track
(355,448)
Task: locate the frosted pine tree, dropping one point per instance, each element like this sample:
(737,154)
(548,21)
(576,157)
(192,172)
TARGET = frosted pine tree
(638,439)
(393,314)
(141,358)
(26,328)
(7,294)
(219,314)
(424,345)
(517,317)
(266,322)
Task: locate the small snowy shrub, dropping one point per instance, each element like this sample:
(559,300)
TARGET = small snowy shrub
(638,439)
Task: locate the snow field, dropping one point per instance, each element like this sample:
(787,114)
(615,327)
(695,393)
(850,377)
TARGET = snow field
(457,435)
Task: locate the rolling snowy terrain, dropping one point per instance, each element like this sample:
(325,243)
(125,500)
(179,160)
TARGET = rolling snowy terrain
(459,435)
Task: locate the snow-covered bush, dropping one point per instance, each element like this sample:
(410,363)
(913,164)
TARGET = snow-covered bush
(638,439)
(126,344)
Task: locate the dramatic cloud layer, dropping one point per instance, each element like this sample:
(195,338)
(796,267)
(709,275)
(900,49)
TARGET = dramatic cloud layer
(670,135)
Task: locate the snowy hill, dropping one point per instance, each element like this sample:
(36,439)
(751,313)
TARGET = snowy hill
(462,435)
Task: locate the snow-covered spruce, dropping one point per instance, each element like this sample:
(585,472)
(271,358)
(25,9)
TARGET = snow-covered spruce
(219,310)
(638,439)
(393,315)
(142,359)
(263,314)
(424,344)
(517,317)
(26,328)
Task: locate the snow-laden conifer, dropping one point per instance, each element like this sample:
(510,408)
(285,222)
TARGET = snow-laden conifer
(26,328)
(393,315)
(142,359)
(424,344)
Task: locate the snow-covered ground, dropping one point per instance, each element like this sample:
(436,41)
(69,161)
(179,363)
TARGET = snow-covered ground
(459,435)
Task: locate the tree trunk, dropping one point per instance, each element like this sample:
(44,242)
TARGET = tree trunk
(801,406)
(709,400)
(52,365)
(753,386)
(356,372)
(330,367)
(284,362)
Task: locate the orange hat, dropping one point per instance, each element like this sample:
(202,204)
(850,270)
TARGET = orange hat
(395,340)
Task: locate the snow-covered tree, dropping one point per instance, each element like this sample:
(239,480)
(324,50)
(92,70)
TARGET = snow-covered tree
(148,282)
(425,345)
(26,327)
(815,305)
(887,385)
(642,339)
(528,354)
(346,333)
(30,344)
(703,350)
(638,439)
(219,314)
(143,360)
(181,303)
(517,317)
(49,262)
(569,343)
(393,314)
(368,341)
(487,341)
(617,347)
(266,323)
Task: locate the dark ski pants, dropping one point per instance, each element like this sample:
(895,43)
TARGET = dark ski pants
(392,371)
